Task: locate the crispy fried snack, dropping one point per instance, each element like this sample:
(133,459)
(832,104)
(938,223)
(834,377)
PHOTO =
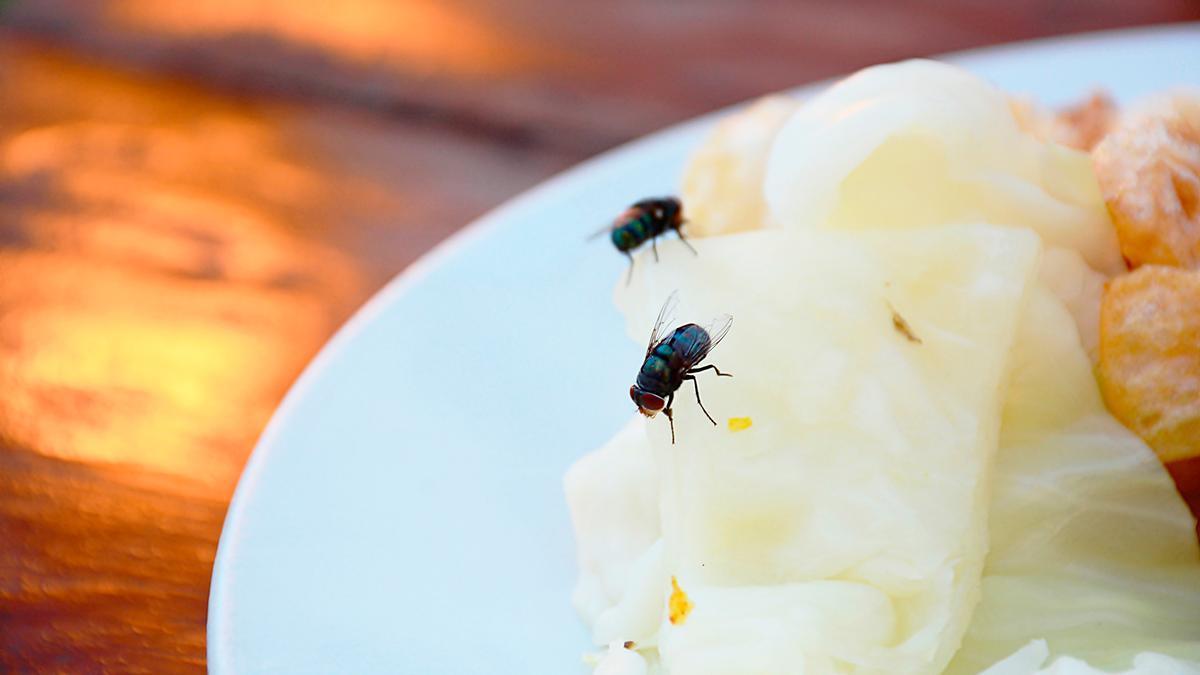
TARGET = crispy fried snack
(1080,125)
(1149,173)
(1150,357)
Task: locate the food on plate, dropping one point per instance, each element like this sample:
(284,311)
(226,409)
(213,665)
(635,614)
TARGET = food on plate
(932,482)
(1035,654)
(1150,356)
(755,527)
(720,184)
(621,659)
(1091,549)
(678,605)
(1079,126)
(740,423)
(961,155)
(1149,171)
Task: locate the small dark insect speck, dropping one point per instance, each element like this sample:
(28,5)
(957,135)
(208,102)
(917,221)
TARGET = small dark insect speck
(902,326)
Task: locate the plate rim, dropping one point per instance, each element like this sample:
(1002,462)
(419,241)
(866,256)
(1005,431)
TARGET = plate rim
(218,633)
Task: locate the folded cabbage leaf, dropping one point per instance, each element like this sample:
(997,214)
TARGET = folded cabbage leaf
(1092,549)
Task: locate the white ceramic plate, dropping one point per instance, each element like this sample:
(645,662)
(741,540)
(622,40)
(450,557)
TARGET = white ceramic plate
(403,512)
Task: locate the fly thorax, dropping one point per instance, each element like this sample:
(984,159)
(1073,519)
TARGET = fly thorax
(655,370)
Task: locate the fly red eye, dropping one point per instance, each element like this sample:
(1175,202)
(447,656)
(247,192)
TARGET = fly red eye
(646,402)
(652,402)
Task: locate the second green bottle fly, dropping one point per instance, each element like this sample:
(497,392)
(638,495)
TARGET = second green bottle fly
(646,220)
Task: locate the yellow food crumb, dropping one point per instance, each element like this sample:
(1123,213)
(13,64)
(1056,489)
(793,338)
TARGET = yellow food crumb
(739,423)
(678,607)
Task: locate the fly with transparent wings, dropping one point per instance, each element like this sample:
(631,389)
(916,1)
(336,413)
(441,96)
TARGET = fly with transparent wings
(671,359)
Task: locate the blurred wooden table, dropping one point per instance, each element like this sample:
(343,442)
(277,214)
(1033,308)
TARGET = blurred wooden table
(192,200)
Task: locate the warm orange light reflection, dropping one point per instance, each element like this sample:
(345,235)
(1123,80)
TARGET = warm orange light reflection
(112,369)
(416,34)
(161,285)
(169,261)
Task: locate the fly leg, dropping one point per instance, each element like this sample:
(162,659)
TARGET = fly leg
(671,416)
(686,242)
(629,277)
(690,375)
(654,246)
(709,367)
(697,386)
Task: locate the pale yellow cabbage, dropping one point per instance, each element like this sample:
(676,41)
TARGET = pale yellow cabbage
(856,429)
(722,182)
(1029,661)
(1080,288)
(613,495)
(845,530)
(1091,547)
(921,143)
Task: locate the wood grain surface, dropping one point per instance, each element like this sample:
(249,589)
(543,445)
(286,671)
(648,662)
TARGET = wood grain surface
(193,196)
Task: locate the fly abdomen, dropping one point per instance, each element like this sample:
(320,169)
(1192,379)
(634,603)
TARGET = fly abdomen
(626,238)
(689,338)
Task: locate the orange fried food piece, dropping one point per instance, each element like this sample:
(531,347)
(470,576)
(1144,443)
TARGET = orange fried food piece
(1149,173)
(1080,125)
(1150,357)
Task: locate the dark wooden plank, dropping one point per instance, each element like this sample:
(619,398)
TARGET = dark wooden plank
(102,567)
(579,77)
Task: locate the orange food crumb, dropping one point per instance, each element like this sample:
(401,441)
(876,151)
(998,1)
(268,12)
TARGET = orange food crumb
(739,423)
(678,606)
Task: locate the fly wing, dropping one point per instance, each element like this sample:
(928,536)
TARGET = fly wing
(604,230)
(663,320)
(717,329)
(626,215)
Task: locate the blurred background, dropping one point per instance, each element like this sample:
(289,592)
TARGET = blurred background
(195,195)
